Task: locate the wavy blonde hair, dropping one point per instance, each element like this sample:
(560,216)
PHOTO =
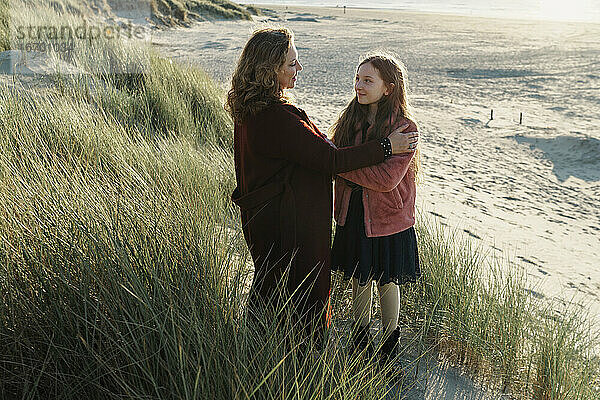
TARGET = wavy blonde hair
(392,71)
(254,85)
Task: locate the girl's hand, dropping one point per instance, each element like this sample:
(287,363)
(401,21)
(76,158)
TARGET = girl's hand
(403,142)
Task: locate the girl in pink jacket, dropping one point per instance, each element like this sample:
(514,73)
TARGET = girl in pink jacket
(374,207)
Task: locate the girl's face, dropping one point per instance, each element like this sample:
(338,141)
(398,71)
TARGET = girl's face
(288,73)
(369,86)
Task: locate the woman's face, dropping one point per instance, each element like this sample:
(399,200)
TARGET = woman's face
(368,85)
(288,73)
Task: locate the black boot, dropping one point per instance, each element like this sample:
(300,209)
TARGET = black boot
(362,342)
(389,349)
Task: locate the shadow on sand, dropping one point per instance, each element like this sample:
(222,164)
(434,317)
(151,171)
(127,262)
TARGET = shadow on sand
(570,155)
(426,377)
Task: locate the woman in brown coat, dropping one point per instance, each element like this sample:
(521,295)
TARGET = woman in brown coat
(284,167)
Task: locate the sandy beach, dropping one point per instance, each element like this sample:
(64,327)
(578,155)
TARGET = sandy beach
(523,188)
(527,193)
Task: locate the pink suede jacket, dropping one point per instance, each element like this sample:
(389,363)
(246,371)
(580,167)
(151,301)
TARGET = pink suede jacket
(389,192)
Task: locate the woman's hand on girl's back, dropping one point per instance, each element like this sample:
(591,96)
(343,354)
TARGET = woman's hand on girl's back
(404,142)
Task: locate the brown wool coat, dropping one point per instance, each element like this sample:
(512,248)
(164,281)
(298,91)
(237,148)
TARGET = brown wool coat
(284,169)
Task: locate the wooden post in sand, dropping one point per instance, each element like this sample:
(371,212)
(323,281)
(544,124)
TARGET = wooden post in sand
(492,114)
(520,118)
(344,9)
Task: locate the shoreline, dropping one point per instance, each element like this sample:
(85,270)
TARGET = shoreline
(299,7)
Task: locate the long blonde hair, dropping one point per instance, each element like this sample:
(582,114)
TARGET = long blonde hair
(254,85)
(396,104)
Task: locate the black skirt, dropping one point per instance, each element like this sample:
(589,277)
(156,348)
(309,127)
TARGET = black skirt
(385,259)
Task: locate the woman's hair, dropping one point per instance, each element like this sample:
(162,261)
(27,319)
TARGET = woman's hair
(254,85)
(352,118)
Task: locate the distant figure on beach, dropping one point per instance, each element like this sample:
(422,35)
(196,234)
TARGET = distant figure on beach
(284,169)
(374,207)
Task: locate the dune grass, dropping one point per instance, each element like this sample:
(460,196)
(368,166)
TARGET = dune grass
(481,317)
(220,8)
(184,11)
(124,273)
(253,10)
(4,23)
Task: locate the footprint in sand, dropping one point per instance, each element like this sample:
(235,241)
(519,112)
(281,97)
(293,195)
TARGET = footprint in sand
(541,271)
(558,108)
(214,45)
(503,207)
(437,177)
(535,294)
(471,121)
(528,261)
(468,232)
(566,216)
(436,214)
(579,288)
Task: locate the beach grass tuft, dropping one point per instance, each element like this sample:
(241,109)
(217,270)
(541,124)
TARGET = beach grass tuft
(4,26)
(124,272)
(481,316)
(254,10)
(174,12)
